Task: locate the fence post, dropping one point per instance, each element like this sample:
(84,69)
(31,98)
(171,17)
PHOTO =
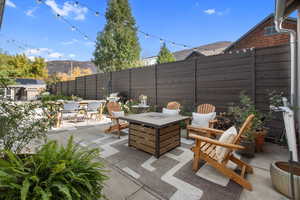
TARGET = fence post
(84,78)
(61,86)
(195,84)
(96,86)
(253,71)
(130,83)
(155,77)
(75,89)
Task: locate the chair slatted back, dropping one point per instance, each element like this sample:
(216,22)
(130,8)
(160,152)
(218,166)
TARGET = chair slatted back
(71,107)
(113,107)
(174,105)
(93,106)
(206,108)
(245,127)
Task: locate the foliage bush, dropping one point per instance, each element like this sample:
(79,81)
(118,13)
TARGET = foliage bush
(241,111)
(21,123)
(54,97)
(53,173)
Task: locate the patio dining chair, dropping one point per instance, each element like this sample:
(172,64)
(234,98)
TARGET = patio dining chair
(70,110)
(173,105)
(218,153)
(115,111)
(202,109)
(94,109)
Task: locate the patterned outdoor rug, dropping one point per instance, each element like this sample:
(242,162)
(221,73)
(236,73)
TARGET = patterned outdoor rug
(170,176)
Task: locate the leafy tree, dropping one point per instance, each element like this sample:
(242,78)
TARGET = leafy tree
(117,46)
(164,55)
(77,71)
(19,66)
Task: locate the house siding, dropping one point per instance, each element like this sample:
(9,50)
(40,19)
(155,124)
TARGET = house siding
(258,39)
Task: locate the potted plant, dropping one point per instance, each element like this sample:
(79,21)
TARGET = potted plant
(254,138)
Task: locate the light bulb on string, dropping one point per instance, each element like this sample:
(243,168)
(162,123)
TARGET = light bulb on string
(97,13)
(73,28)
(39,1)
(85,37)
(57,15)
(161,41)
(147,36)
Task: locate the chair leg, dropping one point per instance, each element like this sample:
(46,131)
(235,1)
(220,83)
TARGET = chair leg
(196,155)
(187,134)
(241,163)
(229,173)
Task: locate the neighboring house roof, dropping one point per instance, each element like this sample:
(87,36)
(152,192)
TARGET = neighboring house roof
(255,27)
(2,5)
(28,81)
(207,50)
(194,54)
(204,50)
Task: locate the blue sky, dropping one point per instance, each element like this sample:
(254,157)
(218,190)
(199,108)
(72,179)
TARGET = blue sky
(37,32)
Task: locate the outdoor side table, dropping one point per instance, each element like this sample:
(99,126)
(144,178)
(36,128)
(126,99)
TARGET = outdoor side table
(155,133)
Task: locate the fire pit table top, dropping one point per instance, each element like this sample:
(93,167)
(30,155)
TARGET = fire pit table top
(154,119)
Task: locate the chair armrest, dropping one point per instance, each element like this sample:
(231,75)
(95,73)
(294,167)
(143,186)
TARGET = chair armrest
(216,142)
(205,130)
(213,121)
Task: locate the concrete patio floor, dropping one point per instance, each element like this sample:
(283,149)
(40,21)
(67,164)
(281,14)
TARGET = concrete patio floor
(123,186)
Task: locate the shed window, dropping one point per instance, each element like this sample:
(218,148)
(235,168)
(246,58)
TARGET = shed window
(270,30)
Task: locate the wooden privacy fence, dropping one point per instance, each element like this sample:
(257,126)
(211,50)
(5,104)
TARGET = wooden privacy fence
(217,80)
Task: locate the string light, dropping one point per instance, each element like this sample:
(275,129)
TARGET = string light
(97,13)
(147,35)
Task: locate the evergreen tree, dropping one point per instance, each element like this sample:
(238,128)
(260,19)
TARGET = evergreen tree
(164,55)
(117,46)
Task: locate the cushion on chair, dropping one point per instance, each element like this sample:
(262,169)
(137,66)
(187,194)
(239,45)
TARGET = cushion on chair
(118,114)
(202,120)
(170,112)
(227,137)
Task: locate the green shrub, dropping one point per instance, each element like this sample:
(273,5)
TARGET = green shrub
(21,123)
(53,173)
(53,97)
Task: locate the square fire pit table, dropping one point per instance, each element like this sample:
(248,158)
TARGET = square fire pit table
(155,133)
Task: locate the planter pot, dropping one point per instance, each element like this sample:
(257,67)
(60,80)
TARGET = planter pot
(249,150)
(280,177)
(260,140)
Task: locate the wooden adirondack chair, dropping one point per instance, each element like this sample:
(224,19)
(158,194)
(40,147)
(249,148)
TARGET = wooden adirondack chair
(205,148)
(117,126)
(203,109)
(174,105)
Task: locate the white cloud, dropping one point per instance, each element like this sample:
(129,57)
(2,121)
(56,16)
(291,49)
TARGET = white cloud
(72,55)
(55,55)
(30,12)
(213,11)
(10,4)
(210,11)
(37,51)
(68,10)
(42,52)
(73,41)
